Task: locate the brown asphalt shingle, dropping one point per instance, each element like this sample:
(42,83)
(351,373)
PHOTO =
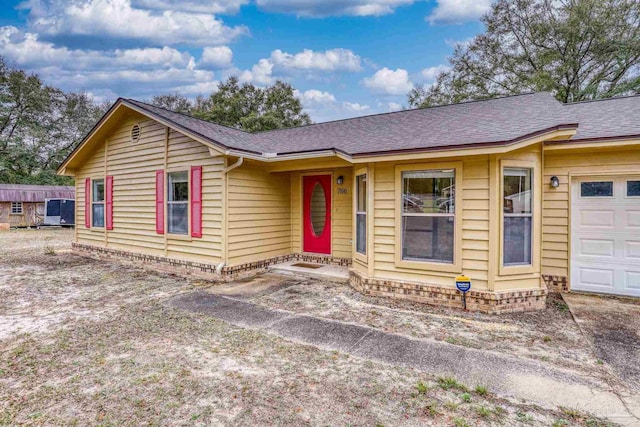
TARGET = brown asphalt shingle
(494,121)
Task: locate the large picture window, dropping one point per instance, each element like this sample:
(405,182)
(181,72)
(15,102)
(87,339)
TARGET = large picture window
(178,203)
(97,203)
(518,216)
(428,215)
(361,214)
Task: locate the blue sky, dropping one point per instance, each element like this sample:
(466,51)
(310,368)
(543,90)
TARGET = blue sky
(345,57)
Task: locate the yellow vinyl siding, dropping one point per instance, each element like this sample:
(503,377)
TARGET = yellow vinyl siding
(134,166)
(342,214)
(258,214)
(183,153)
(556,201)
(92,168)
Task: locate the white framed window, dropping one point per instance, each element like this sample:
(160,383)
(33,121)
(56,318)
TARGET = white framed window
(361,214)
(596,189)
(633,188)
(97,203)
(16,208)
(517,208)
(429,215)
(178,202)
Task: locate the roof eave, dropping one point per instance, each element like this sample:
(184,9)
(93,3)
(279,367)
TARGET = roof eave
(490,147)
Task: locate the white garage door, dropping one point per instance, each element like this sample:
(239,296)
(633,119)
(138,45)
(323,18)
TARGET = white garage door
(605,229)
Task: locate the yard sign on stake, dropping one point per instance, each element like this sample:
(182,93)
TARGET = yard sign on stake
(463,283)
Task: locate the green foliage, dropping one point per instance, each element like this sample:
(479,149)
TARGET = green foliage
(422,387)
(577,49)
(449,382)
(174,102)
(481,390)
(243,106)
(466,397)
(483,411)
(460,422)
(39,126)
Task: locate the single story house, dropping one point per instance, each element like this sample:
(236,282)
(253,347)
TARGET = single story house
(23,205)
(521,194)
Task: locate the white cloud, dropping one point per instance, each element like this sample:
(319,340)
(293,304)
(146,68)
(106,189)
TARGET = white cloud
(355,106)
(329,60)
(390,82)
(309,61)
(260,73)
(323,106)
(458,11)
(393,106)
(129,72)
(192,6)
(455,43)
(315,8)
(316,96)
(119,19)
(431,73)
(217,57)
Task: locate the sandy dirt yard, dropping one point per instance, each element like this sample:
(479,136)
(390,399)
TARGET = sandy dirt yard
(84,342)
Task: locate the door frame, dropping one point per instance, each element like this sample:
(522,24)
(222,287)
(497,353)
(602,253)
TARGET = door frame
(572,175)
(301,207)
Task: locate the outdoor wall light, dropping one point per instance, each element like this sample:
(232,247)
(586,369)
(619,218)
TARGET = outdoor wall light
(555,182)
(340,180)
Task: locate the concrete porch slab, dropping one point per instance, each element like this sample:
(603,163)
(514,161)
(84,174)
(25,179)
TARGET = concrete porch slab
(333,273)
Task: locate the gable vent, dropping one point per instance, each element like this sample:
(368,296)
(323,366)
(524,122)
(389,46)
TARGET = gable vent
(135,133)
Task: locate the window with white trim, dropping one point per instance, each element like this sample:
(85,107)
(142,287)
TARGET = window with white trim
(361,214)
(428,215)
(16,208)
(97,203)
(518,216)
(178,203)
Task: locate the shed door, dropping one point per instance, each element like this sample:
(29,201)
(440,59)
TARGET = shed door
(317,213)
(605,230)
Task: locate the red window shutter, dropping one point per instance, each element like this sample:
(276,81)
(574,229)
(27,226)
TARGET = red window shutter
(87,203)
(109,202)
(160,202)
(196,201)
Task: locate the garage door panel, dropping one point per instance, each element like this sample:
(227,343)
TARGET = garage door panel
(632,251)
(597,218)
(596,277)
(605,239)
(599,248)
(633,219)
(632,280)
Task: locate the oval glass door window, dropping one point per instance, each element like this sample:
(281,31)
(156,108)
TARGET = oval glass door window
(318,209)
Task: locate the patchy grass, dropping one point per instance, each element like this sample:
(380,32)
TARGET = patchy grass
(92,343)
(550,336)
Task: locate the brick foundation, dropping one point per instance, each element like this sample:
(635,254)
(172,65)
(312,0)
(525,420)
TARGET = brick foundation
(556,284)
(482,301)
(198,269)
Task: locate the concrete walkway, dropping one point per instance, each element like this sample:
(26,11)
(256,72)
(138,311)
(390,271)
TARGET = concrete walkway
(508,376)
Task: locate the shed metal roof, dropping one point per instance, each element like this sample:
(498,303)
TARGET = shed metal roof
(34,193)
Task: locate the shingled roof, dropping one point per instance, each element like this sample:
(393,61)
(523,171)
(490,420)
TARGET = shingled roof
(494,121)
(34,193)
(607,118)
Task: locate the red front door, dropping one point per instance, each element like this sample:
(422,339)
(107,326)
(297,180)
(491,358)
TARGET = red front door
(316,211)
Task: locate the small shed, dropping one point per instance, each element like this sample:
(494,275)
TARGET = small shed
(23,205)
